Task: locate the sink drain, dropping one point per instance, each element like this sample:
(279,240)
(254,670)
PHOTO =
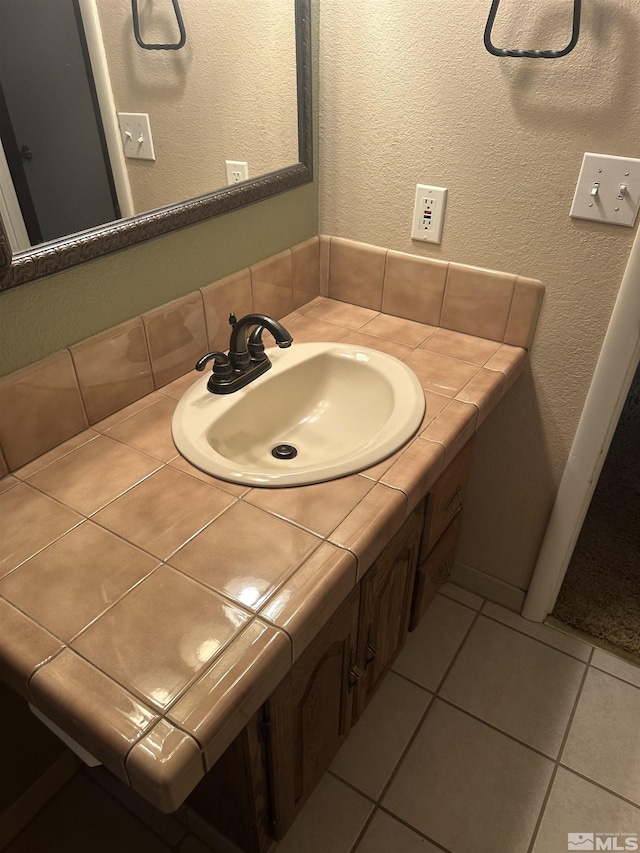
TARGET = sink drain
(284,451)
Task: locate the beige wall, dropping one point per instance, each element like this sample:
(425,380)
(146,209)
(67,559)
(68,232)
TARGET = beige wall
(228,94)
(408,95)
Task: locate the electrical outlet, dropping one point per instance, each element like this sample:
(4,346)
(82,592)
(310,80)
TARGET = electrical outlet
(428,213)
(237,170)
(136,136)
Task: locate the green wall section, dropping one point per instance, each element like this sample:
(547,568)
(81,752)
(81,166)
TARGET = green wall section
(45,316)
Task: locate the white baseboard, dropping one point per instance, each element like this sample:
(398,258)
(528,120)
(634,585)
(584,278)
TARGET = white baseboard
(488,587)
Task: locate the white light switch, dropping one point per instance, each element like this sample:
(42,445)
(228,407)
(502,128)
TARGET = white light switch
(608,189)
(136,136)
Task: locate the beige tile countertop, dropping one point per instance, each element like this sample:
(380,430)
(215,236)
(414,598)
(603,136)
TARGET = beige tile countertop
(148,609)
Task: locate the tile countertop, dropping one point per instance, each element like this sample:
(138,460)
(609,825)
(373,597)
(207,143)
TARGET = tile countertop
(148,609)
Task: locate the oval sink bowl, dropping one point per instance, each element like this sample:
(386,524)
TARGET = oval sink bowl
(322,411)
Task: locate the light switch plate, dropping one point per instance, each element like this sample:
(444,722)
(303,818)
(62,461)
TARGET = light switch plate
(608,189)
(136,136)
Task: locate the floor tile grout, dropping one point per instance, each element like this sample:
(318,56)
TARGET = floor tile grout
(602,787)
(413,829)
(613,675)
(436,695)
(495,728)
(557,765)
(392,775)
(536,639)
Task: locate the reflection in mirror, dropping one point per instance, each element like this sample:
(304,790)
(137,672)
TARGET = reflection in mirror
(96,130)
(70,69)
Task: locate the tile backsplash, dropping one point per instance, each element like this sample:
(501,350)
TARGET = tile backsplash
(48,402)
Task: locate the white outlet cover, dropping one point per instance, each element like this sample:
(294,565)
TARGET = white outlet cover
(428,213)
(237,171)
(598,193)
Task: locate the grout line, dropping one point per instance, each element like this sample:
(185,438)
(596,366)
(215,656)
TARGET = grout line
(110,607)
(444,295)
(597,784)
(394,772)
(597,642)
(496,729)
(536,639)
(436,692)
(509,312)
(611,674)
(78,386)
(554,773)
(365,827)
(436,696)
(412,682)
(392,775)
(63,455)
(411,740)
(413,829)
(457,600)
(384,276)
(353,787)
(81,520)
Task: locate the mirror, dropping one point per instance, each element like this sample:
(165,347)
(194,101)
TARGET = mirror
(256,113)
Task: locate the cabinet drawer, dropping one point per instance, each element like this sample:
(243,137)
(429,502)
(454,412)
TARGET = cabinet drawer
(446,498)
(434,571)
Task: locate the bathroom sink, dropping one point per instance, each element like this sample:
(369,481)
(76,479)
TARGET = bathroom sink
(322,411)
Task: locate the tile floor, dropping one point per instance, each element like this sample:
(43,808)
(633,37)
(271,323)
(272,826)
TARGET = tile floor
(490,735)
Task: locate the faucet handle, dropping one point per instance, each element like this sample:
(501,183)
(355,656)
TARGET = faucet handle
(232,319)
(221,364)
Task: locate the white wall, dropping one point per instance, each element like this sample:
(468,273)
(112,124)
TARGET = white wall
(409,94)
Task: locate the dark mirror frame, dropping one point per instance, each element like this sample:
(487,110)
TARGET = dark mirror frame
(67,252)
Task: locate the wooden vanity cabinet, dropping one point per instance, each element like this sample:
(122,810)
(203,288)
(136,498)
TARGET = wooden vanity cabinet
(312,710)
(443,520)
(235,795)
(385,600)
(310,713)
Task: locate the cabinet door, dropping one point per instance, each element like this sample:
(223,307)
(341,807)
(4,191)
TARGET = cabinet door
(384,606)
(447,497)
(309,714)
(434,571)
(234,796)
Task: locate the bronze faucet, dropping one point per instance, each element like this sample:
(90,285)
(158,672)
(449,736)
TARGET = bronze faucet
(247,359)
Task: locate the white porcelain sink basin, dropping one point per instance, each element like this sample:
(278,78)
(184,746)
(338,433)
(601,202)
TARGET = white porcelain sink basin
(341,407)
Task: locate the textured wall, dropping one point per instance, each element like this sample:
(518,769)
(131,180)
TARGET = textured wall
(408,95)
(228,94)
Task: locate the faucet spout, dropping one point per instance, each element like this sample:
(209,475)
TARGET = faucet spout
(238,345)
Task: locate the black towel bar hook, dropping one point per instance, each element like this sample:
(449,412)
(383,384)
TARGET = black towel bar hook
(531,54)
(136,29)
